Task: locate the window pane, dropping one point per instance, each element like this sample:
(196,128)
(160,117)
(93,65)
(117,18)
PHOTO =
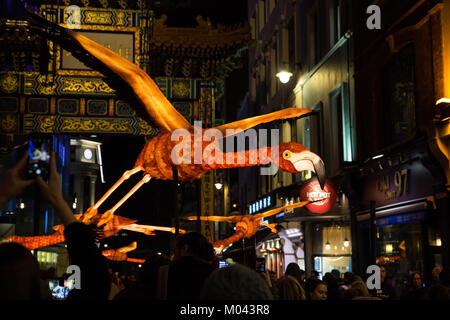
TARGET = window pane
(399,96)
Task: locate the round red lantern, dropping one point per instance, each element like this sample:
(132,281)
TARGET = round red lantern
(324,199)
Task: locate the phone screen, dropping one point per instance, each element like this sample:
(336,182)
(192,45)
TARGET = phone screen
(39,150)
(261,265)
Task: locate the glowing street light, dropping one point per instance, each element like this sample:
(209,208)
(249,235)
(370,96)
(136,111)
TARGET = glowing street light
(284,76)
(218,185)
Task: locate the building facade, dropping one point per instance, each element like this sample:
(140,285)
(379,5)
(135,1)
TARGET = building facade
(313,41)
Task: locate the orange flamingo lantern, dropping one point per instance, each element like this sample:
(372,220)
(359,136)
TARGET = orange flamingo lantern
(246,225)
(156,160)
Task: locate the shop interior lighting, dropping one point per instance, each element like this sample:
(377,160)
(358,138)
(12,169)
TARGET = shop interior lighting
(218,185)
(327,246)
(438,242)
(346,242)
(389,248)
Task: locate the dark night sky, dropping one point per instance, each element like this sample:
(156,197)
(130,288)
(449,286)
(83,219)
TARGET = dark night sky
(183,13)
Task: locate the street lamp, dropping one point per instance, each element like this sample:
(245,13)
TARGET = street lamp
(218,185)
(284,76)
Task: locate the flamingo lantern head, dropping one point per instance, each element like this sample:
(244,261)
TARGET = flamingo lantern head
(295,158)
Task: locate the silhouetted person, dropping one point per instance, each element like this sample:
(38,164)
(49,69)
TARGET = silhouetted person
(235,282)
(80,240)
(192,264)
(151,283)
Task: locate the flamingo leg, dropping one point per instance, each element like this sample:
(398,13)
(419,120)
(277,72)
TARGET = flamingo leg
(108,215)
(92,211)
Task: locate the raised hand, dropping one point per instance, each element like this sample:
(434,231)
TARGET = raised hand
(15,181)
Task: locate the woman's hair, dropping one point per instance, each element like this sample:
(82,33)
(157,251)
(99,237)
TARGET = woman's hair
(361,287)
(290,289)
(19,273)
(294,270)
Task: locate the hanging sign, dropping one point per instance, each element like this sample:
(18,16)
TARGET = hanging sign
(324,199)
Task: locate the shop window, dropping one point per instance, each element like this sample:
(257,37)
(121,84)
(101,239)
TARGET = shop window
(399,97)
(334,12)
(341,115)
(291,45)
(400,247)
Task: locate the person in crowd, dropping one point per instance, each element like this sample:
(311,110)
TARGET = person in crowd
(289,288)
(415,289)
(387,284)
(316,289)
(235,282)
(337,275)
(191,265)
(332,286)
(435,275)
(151,283)
(314,274)
(294,270)
(18,265)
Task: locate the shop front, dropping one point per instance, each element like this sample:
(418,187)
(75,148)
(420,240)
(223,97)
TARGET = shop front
(399,223)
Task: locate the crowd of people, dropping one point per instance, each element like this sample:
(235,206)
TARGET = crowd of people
(192,273)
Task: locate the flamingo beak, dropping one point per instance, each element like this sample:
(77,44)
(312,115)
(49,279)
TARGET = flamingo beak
(319,168)
(308,160)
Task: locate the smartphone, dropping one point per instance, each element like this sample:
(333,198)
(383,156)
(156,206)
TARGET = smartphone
(261,264)
(39,152)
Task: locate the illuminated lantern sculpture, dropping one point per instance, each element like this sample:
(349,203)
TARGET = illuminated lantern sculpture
(246,225)
(159,159)
(121,254)
(108,228)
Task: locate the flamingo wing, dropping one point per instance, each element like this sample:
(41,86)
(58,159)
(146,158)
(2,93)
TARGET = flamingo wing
(232,128)
(119,72)
(278,210)
(231,219)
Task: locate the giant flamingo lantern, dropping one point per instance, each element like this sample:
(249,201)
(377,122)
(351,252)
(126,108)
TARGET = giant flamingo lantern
(156,159)
(246,225)
(110,226)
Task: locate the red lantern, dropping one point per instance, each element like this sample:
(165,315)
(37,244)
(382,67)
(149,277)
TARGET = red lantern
(324,199)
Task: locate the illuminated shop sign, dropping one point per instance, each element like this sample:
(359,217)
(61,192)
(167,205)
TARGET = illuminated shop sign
(261,205)
(324,199)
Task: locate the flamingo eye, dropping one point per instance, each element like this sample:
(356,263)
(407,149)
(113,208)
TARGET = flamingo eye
(286,154)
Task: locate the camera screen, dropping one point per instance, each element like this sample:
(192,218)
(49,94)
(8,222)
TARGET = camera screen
(38,157)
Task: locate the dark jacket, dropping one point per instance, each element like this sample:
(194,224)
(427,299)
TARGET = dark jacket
(83,252)
(186,278)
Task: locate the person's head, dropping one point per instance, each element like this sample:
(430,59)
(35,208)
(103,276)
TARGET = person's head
(435,273)
(314,274)
(194,244)
(294,270)
(416,280)
(290,289)
(348,277)
(360,288)
(330,279)
(316,289)
(235,282)
(19,273)
(336,273)
(383,272)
